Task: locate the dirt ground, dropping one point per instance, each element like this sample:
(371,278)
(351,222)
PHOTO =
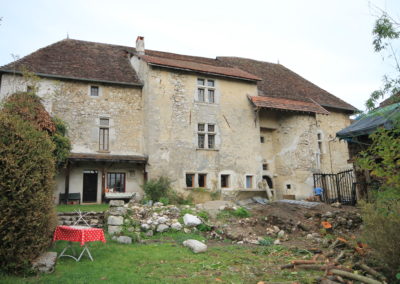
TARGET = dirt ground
(301,226)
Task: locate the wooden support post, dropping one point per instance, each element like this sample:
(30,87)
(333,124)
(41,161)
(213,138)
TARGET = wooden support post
(67,173)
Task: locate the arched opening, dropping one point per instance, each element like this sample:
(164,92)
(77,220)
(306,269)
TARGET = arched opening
(269,181)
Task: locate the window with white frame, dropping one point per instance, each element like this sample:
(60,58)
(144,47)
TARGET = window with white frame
(205,90)
(206,136)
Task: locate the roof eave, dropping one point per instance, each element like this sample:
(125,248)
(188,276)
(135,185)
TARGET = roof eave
(126,84)
(203,72)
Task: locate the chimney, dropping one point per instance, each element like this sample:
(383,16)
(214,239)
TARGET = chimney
(140,45)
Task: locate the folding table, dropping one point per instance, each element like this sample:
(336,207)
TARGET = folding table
(81,234)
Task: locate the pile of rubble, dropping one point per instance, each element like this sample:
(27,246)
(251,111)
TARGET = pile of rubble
(149,219)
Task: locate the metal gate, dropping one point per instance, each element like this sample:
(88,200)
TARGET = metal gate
(338,187)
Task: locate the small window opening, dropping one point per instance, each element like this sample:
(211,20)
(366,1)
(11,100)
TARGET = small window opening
(262,139)
(224,181)
(94,91)
(265,167)
(249,181)
(189,180)
(288,186)
(202,180)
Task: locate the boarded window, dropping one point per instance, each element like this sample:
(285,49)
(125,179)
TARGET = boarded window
(224,181)
(104,122)
(116,182)
(189,180)
(202,180)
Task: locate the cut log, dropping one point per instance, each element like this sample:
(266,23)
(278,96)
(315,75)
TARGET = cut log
(371,271)
(353,276)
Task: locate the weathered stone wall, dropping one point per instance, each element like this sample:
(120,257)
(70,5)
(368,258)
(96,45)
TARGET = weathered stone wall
(171,119)
(335,153)
(71,100)
(94,219)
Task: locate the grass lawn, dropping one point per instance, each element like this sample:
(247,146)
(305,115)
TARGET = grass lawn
(90,207)
(166,261)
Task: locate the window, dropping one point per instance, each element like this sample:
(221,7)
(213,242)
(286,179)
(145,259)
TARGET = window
(265,167)
(94,91)
(249,181)
(206,136)
(189,180)
(319,150)
(262,139)
(202,180)
(116,182)
(224,181)
(104,134)
(205,90)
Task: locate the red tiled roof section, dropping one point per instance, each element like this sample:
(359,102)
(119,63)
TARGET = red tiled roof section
(192,63)
(280,82)
(286,104)
(77,59)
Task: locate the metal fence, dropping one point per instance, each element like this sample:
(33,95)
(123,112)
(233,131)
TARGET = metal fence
(338,187)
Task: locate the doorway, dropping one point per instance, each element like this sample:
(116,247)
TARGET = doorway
(89,186)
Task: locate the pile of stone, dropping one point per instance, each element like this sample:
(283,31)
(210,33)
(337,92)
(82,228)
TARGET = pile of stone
(94,219)
(150,219)
(341,221)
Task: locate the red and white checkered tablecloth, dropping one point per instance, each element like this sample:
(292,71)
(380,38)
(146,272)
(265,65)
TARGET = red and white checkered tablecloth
(78,234)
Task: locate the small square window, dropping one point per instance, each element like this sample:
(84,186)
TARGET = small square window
(94,91)
(189,180)
(288,186)
(224,181)
(200,82)
(262,139)
(265,167)
(201,127)
(249,181)
(210,83)
(202,180)
(211,128)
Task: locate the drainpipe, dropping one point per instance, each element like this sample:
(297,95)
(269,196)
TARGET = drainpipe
(67,172)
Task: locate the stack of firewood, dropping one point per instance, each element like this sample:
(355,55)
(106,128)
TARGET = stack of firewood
(343,261)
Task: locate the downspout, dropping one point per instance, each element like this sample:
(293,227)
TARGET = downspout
(67,173)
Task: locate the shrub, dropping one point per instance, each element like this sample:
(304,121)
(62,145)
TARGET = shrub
(204,228)
(157,188)
(204,215)
(61,142)
(160,190)
(27,216)
(382,229)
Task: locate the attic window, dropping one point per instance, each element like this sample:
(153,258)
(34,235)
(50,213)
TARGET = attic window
(94,91)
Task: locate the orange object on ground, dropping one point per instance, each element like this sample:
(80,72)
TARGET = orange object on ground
(326,225)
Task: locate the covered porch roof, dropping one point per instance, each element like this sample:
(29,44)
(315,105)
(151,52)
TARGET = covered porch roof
(91,157)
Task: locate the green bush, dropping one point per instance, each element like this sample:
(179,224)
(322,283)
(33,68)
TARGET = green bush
(204,215)
(160,190)
(27,170)
(382,229)
(267,241)
(157,188)
(204,228)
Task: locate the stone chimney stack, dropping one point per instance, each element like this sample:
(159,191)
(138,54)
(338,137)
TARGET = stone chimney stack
(140,45)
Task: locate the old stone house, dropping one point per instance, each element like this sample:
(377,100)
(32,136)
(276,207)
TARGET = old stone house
(222,124)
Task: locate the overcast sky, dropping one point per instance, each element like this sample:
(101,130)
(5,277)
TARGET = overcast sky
(326,42)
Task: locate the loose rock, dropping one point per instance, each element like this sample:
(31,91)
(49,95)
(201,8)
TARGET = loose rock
(195,246)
